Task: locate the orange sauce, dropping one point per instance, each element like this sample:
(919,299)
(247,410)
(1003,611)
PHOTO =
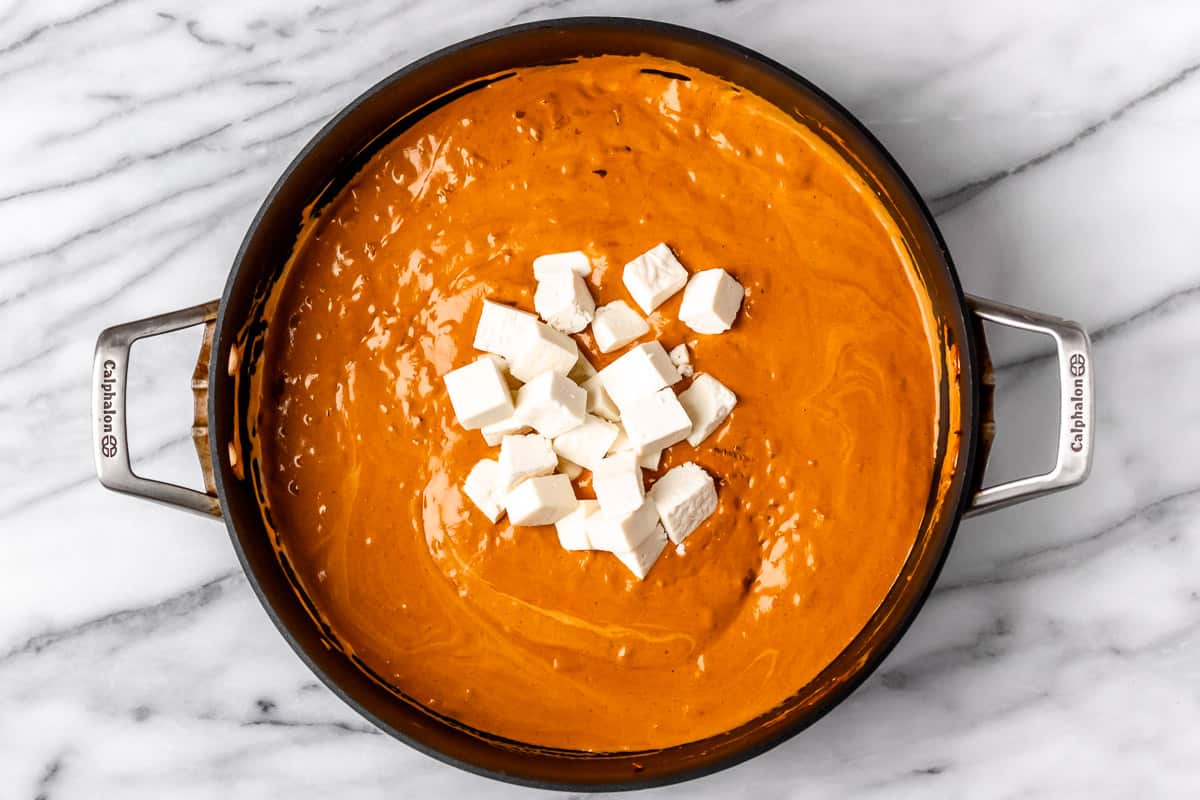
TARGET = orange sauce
(823,469)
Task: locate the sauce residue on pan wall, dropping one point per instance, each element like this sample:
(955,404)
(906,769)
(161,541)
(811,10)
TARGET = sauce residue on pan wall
(824,468)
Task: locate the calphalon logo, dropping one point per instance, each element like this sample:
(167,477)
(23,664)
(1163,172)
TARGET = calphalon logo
(108,395)
(1078,428)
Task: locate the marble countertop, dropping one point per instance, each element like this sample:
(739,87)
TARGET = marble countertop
(1059,144)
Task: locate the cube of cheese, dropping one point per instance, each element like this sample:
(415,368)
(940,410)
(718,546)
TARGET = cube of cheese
(562,299)
(480,486)
(641,559)
(573,528)
(684,497)
(494,432)
(598,400)
(541,501)
(588,443)
(656,421)
(543,349)
(552,404)
(617,482)
(524,457)
(569,468)
(638,374)
(501,328)
(479,394)
(616,325)
(654,276)
(682,361)
(711,301)
(623,533)
(707,402)
(575,262)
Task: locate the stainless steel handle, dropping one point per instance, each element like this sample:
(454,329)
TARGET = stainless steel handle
(109,377)
(1076,426)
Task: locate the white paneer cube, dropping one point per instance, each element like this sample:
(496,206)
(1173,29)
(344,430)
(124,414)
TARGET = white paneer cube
(575,262)
(598,400)
(641,559)
(650,459)
(623,533)
(541,501)
(588,443)
(684,497)
(616,325)
(707,403)
(543,349)
(617,482)
(582,370)
(494,433)
(480,486)
(522,457)
(656,421)
(479,394)
(637,374)
(682,361)
(563,300)
(711,301)
(502,328)
(552,404)
(573,528)
(654,276)
(569,468)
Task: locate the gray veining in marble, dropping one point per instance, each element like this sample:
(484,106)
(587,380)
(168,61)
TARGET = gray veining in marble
(1059,144)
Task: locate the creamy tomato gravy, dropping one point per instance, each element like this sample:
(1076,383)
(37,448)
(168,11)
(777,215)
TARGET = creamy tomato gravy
(823,470)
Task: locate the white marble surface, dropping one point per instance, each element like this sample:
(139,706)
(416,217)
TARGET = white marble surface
(1060,143)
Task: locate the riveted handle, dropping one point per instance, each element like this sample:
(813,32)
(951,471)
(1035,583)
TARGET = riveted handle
(110,440)
(1076,425)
